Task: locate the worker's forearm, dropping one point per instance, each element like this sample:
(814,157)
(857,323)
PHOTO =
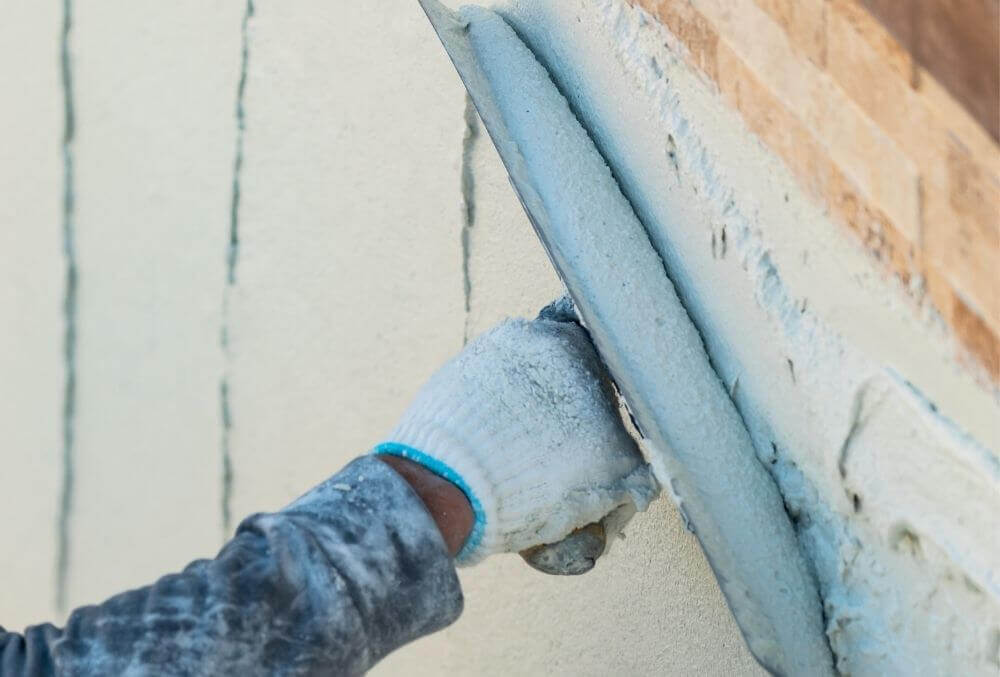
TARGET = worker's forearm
(329,585)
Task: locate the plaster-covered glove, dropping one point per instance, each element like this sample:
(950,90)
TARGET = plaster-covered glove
(524,421)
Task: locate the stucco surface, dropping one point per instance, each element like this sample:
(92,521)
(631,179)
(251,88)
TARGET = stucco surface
(352,281)
(348,290)
(152,168)
(31,290)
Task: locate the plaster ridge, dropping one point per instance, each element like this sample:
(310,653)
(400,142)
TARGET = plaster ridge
(69,314)
(232,258)
(468,189)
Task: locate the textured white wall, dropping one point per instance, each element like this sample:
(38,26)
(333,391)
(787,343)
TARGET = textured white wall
(375,231)
(31,290)
(348,289)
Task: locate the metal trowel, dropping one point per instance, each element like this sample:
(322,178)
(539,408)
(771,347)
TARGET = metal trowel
(694,437)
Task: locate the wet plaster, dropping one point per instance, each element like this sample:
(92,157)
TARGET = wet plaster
(826,359)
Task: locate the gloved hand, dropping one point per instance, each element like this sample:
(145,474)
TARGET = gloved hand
(524,422)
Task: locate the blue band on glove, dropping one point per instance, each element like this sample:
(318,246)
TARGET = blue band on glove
(443,470)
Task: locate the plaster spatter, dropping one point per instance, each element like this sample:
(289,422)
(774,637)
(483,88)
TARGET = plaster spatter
(647,340)
(900,541)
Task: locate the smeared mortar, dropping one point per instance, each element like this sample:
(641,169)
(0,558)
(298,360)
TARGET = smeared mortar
(699,445)
(798,324)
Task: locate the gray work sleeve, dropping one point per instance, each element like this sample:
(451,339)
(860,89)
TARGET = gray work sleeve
(327,586)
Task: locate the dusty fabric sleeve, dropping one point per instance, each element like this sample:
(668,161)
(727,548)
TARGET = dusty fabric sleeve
(327,586)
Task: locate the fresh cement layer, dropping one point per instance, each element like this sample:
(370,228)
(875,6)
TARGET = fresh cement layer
(884,448)
(700,447)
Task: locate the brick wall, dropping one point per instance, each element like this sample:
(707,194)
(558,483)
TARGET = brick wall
(907,163)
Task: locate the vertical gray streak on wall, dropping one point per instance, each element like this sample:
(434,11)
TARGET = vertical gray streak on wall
(227,461)
(234,207)
(69,312)
(468,203)
(232,257)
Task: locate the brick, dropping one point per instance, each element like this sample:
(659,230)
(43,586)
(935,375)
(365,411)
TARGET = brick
(955,40)
(863,60)
(897,17)
(938,290)
(872,72)
(960,123)
(958,41)
(773,123)
(889,51)
(959,203)
(803,22)
(873,161)
(976,337)
(786,136)
(691,28)
(762,45)
(871,225)
(904,167)
(962,232)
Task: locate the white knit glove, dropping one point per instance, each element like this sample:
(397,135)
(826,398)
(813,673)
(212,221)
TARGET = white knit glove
(524,422)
